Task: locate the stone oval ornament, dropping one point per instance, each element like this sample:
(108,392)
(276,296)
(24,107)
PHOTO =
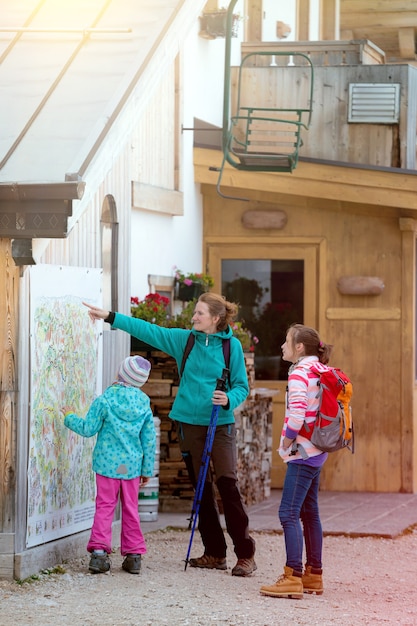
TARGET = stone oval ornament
(360,285)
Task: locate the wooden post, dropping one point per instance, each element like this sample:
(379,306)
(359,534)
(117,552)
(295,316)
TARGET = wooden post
(254,23)
(329,19)
(9,282)
(408,228)
(303,20)
(211,5)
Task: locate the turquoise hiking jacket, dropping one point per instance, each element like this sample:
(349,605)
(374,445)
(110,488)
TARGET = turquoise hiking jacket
(126,439)
(204,365)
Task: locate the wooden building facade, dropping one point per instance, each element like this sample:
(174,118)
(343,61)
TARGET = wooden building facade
(348,213)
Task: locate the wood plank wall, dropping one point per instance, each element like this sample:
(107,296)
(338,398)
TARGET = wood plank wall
(382,22)
(153,154)
(9,282)
(359,239)
(8,379)
(82,248)
(330,135)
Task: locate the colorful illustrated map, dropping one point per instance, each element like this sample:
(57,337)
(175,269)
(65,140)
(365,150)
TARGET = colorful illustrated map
(64,364)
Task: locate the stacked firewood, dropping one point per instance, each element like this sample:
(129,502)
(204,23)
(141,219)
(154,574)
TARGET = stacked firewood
(254,444)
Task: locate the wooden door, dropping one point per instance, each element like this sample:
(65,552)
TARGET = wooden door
(218,254)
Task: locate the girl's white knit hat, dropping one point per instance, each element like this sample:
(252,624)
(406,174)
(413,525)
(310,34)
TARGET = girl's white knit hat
(134,371)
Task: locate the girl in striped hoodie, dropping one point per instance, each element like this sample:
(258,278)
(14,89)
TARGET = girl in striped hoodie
(299,508)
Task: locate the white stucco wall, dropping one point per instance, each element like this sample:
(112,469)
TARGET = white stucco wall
(274,11)
(160,242)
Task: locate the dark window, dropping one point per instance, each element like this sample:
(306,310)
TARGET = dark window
(271,297)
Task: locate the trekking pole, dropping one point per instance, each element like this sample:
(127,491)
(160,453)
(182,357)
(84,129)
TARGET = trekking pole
(205,462)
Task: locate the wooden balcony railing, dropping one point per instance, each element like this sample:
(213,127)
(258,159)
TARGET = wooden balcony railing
(321,53)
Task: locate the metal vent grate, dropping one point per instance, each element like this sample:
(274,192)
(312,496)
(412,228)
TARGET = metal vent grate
(374,103)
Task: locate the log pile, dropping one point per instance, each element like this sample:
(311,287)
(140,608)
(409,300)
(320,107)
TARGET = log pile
(254,443)
(253,422)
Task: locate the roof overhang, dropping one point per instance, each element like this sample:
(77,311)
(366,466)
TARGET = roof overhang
(333,181)
(31,210)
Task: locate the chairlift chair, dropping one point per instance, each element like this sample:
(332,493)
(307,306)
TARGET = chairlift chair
(264,138)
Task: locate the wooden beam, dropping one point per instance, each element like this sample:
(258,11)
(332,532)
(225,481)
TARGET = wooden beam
(9,314)
(360,313)
(377,188)
(157,199)
(302,20)
(407,43)
(254,23)
(408,361)
(212,5)
(329,19)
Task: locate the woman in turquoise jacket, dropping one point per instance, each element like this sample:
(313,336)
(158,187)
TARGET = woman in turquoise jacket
(191,411)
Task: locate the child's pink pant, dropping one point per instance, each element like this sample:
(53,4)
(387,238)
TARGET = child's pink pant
(131,540)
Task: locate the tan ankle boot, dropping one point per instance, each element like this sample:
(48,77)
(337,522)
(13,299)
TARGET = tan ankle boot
(287,586)
(312,583)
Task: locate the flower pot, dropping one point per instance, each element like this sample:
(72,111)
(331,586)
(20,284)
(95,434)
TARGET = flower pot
(214,24)
(189,292)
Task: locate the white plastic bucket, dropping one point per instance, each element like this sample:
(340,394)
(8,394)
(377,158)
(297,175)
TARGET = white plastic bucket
(157,423)
(149,493)
(149,500)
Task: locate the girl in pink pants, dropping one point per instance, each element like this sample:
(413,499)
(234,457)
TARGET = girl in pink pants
(123,459)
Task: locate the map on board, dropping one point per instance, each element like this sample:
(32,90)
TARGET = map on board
(65,350)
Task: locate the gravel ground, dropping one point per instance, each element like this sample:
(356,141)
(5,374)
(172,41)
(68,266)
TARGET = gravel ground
(366,581)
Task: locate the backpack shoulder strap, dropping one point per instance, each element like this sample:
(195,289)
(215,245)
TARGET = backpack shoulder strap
(190,344)
(188,347)
(226,352)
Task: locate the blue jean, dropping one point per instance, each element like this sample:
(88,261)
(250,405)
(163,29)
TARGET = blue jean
(299,503)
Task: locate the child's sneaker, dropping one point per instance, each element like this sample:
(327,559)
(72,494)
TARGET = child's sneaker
(99,563)
(132,563)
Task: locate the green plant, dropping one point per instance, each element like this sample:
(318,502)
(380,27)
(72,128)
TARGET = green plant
(245,336)
(245,291)
(183,319)
(58,569)
(153,308)
(193,277)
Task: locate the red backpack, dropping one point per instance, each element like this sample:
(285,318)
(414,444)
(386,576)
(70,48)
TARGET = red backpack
(333,428)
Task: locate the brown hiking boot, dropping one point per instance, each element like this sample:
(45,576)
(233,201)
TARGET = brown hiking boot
(287,586)
(244,567)
(312,583)
(209,562)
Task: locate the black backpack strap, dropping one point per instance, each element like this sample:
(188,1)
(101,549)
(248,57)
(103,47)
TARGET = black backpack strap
(226,352)
(188,347)
(190,344)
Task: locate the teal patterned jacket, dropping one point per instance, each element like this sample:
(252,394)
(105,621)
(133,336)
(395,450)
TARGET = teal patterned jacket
(126,439)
